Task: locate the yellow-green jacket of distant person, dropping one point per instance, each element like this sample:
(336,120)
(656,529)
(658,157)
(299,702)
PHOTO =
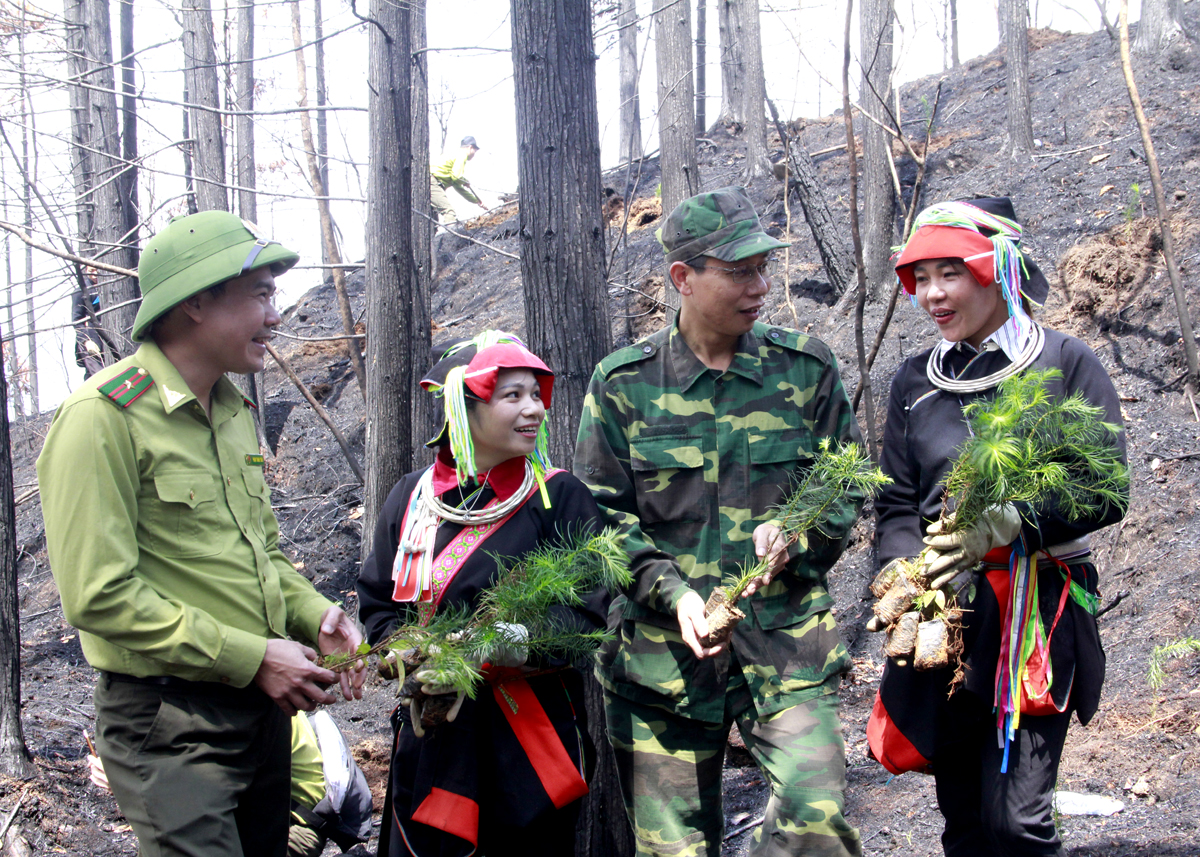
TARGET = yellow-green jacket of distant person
(451,171)
(160,531)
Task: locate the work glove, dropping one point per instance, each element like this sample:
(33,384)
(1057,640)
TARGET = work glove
(427,681)
(954,552)
(511,649)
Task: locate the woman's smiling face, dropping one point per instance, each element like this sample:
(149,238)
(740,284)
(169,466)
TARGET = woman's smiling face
(507,426)
(962,309)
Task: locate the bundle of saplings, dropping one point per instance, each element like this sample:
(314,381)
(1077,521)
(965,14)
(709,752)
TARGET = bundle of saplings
(835,475)
(1027,447)
(515,614)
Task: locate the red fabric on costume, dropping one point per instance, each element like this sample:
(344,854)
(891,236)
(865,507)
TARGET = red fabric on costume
(455,814)
(888,744)
(505,478)
(947,242)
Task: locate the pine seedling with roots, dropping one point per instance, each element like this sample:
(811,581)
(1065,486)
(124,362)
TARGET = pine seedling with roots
(450,648)
(1026,446)
(838,474)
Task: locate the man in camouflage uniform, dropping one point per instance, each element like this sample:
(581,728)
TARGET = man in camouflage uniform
(688,439)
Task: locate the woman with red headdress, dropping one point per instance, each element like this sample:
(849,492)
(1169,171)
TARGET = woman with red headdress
(995,773)
(498,777)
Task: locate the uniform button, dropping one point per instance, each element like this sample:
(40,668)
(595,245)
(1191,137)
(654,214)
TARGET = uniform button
(647,348)
(591,469)
(191,495)
(229,480)
(224,679)
(774,334)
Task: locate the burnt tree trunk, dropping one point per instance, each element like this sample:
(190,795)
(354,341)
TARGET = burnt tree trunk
(758,165)
(129,133)
(827,231)
(110,174)
(395,356)
(14,757)
(733,62)
(243,125)
(1160,27)
(676,102)
(1016,60)
(631,117)
(562,269)
(701,71)
(322,100)
(954,34)
(203,87)
(75,13)
(423,406)
(878,196)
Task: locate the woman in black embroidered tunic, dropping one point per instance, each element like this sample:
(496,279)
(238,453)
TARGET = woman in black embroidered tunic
(506,774)
(964,267)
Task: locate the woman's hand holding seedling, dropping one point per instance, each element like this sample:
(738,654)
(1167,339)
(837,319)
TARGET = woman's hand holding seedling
(953,550)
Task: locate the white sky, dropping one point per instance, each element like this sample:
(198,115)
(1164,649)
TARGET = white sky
(802,50)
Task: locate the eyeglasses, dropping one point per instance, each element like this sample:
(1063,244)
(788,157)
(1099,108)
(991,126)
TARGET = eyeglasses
(744,275)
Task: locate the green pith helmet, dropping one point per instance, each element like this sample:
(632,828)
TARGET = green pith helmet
(721,223)
(196,252)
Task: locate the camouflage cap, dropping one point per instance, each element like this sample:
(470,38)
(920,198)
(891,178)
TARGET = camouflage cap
(721,224)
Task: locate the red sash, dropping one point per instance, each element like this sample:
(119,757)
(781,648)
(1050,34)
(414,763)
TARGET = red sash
(560,778)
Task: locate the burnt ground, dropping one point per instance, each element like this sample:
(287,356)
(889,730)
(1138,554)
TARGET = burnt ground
(1083,197)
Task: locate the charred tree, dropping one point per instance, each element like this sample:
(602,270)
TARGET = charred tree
(203,87)
(243,124)
(701,59)
(110,213)
(396,356)
(954,33)
(1160,27)
(733,62)
(827,232)
(129,133)
(1016,60)
(14,757)
(878,196)
(631,117)
(322,99)
(758,165)
(562,269)
(676,102)
(423,409)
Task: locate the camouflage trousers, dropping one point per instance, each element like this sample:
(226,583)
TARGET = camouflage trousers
(670,770)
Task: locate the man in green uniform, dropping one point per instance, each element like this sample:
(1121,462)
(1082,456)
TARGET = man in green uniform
(451,172)
(687,440)
(166,554)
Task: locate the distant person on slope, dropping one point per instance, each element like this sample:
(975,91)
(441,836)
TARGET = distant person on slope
(451,172)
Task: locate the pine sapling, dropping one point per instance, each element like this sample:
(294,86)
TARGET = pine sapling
(449,650)
(1027,447)
(837,476)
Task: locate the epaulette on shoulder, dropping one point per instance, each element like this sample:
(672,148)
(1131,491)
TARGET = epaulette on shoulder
(125,388)
(794,340)
(635,353)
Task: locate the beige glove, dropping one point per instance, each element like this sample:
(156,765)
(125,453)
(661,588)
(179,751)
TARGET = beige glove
(953,552)
(511,650)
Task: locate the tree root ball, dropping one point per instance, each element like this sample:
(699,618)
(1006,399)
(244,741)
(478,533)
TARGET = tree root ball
(722,617)
(902,637)
(883,581)
(933,645)
(897,600)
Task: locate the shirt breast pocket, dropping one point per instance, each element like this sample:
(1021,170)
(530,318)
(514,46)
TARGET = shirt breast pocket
(181,514)
(668,474)
(260,495)
(777,459)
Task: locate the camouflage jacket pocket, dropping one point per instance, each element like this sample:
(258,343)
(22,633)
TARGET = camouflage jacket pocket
(668,473)
(650,652)
(793,645)
(777,458)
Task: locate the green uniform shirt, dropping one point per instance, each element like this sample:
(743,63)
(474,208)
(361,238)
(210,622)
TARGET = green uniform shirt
(160,531)
(687,461)
(451,171)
